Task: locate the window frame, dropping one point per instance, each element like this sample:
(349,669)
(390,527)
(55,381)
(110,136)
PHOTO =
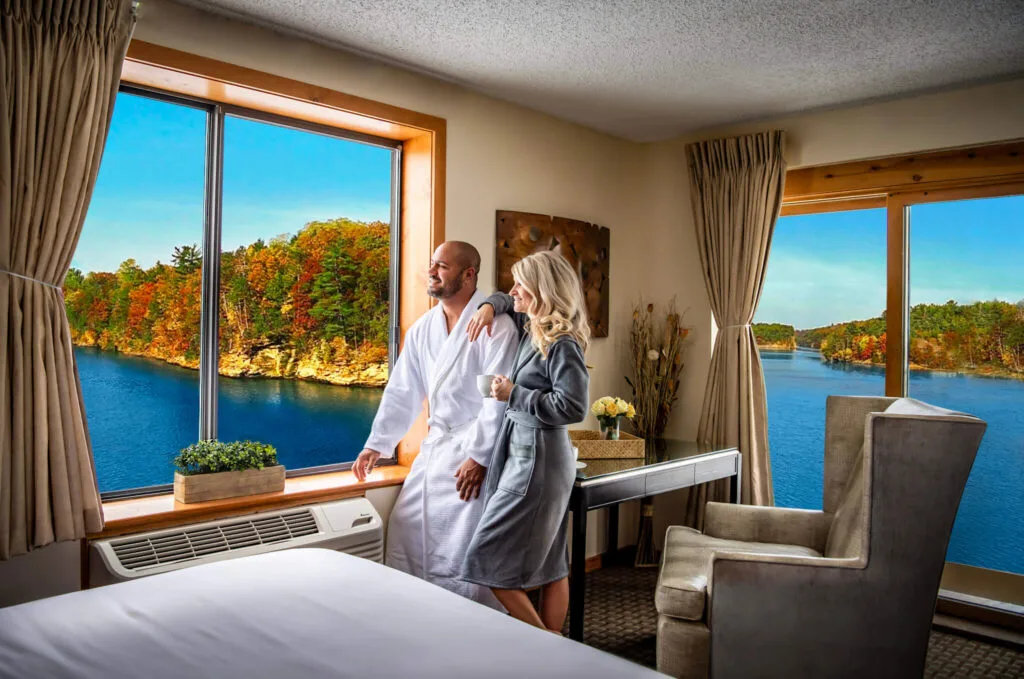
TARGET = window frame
(209,353)
(897,183)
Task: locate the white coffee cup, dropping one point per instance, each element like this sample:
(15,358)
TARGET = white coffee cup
(483,384)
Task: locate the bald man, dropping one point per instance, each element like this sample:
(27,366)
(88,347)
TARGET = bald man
(438,508)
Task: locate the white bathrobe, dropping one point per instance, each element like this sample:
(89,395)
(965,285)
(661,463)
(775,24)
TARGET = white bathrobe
(430,526)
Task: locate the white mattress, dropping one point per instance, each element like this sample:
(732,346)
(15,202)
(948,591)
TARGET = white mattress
(304,613)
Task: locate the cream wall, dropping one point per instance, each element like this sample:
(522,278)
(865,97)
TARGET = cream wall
(971,116)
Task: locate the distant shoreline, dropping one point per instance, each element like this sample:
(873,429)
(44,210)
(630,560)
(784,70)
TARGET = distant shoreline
(968,372)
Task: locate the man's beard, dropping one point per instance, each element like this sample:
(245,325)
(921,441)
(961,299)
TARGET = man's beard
(447,290)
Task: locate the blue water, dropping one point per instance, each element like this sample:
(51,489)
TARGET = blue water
(989,529)
(142,411)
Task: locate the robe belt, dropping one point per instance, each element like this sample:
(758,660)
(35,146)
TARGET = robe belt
(527,420)
(446,432)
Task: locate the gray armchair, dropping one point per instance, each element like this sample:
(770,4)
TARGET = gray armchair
(845,592)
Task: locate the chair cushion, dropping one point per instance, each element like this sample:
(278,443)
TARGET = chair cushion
(911,406)
(685,568)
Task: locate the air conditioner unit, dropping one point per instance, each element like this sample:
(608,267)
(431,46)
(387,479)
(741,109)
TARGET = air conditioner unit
(352,526)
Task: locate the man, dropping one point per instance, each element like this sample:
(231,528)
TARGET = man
(438,508)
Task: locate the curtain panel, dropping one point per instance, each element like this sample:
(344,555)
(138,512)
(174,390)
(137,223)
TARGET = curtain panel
(736,189)
(60,64)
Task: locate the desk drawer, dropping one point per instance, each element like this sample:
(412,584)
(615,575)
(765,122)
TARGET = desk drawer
(710,470)
(669,479)
(613,492)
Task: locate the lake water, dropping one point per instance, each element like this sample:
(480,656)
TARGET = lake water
(142,411)
(989,530)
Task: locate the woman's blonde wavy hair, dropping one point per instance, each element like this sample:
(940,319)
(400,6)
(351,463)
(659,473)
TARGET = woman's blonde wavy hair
(558,308)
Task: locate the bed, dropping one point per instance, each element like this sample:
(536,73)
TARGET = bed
(304,613)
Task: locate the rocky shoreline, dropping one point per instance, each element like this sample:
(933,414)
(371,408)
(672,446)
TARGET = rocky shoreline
(278,362)
(779,346)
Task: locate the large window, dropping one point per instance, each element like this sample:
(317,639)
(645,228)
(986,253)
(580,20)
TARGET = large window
(901,277)
(822,329)
(283,336)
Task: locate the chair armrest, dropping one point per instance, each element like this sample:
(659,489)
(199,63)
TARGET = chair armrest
(775,525)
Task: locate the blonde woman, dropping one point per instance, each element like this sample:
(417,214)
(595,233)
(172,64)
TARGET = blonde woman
(520,542)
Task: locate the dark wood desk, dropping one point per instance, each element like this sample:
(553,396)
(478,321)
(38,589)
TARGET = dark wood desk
(669,465)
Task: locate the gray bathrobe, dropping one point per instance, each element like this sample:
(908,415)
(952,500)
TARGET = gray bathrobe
(520,542)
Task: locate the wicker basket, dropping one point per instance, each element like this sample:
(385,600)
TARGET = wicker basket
(593,447)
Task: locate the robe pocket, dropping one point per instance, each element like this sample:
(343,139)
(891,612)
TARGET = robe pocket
(518,470)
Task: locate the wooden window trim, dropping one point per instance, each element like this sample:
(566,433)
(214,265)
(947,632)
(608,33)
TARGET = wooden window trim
(956,168)
(422,194)
(834,205)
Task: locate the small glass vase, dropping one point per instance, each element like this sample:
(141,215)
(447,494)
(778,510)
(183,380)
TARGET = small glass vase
(610,428)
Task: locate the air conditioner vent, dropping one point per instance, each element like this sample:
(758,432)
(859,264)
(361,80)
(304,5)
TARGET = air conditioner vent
(349,525)
(183,545)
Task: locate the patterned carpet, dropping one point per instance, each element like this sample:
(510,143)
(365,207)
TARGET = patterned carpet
(621,619)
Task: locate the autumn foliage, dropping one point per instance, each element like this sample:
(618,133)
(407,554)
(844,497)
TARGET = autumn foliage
(322,292)
(987,337)
(775,335)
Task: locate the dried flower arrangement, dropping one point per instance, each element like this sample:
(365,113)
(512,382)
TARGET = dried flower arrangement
(657,360)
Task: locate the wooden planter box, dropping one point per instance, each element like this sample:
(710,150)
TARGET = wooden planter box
(593,447)
(206,487)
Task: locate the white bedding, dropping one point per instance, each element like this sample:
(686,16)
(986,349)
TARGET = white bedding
(304,613)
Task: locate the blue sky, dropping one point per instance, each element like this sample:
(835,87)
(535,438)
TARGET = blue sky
(149,193)
(831,267)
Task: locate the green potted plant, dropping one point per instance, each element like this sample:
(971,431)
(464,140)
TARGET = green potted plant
(213,470)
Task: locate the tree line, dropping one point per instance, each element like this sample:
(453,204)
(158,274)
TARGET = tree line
(983,336)
(774,335)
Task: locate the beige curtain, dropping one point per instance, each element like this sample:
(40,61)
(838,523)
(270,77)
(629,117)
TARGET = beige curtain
(60,63)
(736,190)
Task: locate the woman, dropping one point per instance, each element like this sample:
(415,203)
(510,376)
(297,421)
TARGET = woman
(520,543)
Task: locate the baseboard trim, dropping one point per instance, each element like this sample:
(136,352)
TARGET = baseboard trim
(978,631)
(983,612)
(624,556)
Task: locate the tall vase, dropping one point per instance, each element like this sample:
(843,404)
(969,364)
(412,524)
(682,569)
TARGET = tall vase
(610,428)
(647,552)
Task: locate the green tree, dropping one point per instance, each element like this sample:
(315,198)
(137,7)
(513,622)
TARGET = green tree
(187,258)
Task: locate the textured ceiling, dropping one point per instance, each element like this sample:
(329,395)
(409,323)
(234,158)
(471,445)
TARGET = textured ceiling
(654,69)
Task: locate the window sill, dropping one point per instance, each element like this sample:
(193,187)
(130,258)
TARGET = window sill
(161,511)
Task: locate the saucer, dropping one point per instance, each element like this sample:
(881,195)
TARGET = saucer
(580,465)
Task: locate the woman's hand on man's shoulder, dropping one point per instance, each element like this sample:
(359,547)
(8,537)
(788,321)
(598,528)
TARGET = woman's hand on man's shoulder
(482,318)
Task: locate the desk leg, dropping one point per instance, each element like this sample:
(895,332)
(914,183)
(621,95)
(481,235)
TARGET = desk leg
(736,481)
(612,552)
(578,573)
